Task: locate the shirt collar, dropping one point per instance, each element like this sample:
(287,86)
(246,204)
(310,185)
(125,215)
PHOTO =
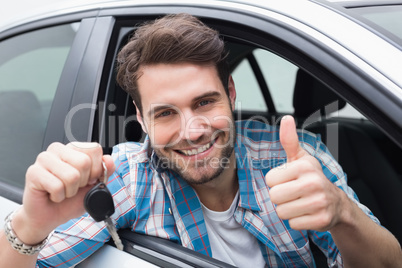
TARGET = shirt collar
(248,198)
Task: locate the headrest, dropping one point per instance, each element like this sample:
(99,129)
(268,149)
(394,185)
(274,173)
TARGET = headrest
(310,95)
(22,128)
(19,101)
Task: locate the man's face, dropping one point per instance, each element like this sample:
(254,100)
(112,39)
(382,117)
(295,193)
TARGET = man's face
(188,117)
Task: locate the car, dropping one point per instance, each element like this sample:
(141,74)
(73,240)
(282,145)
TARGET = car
(334,65)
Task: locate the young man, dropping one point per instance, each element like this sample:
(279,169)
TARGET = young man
(199,178)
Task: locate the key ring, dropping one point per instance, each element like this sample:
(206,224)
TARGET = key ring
(104,173)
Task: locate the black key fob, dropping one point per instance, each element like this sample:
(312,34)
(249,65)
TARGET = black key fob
(98,202)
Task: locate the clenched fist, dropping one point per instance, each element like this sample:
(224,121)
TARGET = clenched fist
(55,187)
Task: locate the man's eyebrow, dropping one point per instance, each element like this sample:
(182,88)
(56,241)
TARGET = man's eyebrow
(207,94)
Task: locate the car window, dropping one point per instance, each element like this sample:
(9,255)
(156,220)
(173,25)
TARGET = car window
(30,69)
(387,17)
(248,92)
(280,76)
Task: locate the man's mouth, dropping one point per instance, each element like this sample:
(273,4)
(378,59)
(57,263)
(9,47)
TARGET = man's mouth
(198,150)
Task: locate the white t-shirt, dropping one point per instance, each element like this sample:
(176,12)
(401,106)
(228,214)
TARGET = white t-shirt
(230,242)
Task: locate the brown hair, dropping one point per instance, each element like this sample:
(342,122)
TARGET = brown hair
(171,39)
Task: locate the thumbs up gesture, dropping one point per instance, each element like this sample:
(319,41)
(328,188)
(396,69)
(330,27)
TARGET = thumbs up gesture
(299,188)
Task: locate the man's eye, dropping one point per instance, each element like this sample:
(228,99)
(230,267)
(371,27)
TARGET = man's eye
(204,102)
(164,114)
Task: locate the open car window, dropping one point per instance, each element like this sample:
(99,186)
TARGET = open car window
(272,82)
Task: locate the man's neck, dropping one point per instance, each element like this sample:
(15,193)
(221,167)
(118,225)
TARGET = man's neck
(218,194)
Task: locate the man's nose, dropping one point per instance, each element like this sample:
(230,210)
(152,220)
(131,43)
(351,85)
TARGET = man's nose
(195,126)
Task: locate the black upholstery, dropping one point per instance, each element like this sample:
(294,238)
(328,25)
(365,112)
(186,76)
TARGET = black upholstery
(132,129)
(311,95)
(371,176)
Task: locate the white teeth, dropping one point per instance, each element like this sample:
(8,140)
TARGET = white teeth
(196,151)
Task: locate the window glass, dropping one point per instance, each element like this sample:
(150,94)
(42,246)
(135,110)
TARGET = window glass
(389,18)
(248,92)
(280,75)
(30,69)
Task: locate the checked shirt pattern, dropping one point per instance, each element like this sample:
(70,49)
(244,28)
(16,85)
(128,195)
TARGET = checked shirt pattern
(158,202)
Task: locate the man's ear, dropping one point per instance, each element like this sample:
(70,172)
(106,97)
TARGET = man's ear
(232,92)
(139,119)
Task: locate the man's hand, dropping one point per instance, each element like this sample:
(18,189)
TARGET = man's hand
(55,187)
(302,193)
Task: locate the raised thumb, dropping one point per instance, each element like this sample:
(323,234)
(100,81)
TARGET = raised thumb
(289,139)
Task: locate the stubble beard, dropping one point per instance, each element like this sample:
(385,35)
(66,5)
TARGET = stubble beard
(200,171)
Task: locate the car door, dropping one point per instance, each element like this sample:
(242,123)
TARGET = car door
(31,69)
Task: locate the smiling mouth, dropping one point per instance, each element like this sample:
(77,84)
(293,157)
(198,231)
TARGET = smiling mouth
(196,151)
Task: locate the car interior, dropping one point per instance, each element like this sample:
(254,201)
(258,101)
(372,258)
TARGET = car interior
(375,180)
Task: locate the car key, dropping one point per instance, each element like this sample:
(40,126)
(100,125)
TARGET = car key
(98,202)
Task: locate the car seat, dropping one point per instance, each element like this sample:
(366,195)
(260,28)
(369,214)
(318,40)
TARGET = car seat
(372,177)
(21,134)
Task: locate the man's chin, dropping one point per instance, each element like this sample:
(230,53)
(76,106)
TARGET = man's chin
(200,175)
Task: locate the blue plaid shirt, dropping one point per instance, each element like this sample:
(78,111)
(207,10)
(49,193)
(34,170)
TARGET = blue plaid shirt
(157,202)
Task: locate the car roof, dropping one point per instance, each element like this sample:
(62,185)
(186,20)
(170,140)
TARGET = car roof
(76,6)
(302,11)
(70,7)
